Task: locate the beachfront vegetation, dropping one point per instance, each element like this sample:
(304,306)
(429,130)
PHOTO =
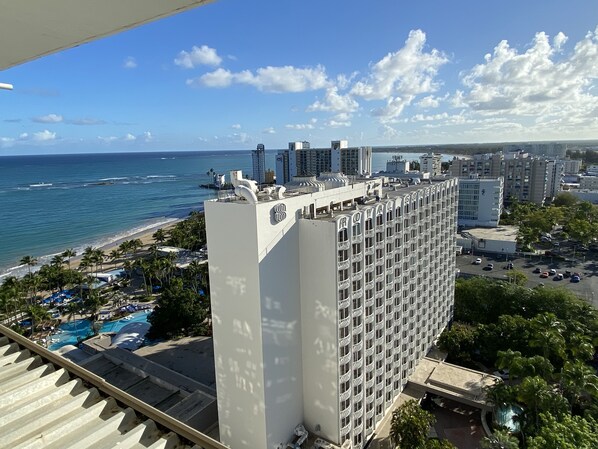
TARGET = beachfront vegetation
(181,294)
(546,339)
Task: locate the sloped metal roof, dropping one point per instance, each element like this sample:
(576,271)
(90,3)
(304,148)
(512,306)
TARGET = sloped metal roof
(30,29)
(49,402)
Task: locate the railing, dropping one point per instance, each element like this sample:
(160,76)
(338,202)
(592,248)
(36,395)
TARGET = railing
(343,245)
(344,264)
(345,377)
(344,303)
(344,359)
(185,431)
(346,412)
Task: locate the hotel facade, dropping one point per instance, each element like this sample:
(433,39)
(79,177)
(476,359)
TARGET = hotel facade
(323,303)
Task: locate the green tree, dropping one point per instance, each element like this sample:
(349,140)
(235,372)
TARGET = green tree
(439,444)
(460,342)
(179,311)
(410,425)
(160,236)
(565,432)
(500,440)
(579,383)
(539,397)
(565,199)
(517,277)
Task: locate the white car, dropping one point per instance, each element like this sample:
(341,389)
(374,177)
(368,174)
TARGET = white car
(502,373)
(478,261)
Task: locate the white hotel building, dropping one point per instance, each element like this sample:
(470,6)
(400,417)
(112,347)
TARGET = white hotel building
(323,303)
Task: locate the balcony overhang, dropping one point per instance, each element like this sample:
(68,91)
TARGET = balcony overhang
(30,29)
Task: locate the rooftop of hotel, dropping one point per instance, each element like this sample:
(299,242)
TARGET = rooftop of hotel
(389,187)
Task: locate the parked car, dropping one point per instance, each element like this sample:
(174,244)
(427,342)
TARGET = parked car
(502,373)
(489,267)
(575,278)
(544,275)
(567,274)
(558,277)
(478,261)
(509,266)
(537,270)
(552,271)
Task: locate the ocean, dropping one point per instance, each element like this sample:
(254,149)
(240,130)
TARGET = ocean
(50,203)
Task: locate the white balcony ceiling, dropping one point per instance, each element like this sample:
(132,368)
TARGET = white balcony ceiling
(30,29)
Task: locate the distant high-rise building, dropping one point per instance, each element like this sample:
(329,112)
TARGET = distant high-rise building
(270,177)
(323,303)
(480,201)
(526,178)
(538,148)
(397,165)
(302,160)
(258,159)
(431,163)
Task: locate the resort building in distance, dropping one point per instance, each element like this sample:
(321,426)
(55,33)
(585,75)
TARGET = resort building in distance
(324,301)
(302,160)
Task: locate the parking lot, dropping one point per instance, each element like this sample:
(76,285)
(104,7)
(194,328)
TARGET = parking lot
(587,266)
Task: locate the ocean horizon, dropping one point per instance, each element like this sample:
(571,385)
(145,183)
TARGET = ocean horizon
(50,203)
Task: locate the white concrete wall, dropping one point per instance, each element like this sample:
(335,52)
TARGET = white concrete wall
(319,316)
(280,305)
(236,312)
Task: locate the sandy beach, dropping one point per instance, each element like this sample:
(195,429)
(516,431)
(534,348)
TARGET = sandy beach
(145,237)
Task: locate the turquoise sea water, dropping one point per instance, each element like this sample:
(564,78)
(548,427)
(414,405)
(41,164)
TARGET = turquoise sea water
(50,203)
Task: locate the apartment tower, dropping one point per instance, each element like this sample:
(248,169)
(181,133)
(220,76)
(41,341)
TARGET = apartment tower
(258,162)
(323,303)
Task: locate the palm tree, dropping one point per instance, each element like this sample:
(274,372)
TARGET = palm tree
(579,383)
(159,236)
(38,315)
(69,254)
(114,255)
(57,260)
(29,261)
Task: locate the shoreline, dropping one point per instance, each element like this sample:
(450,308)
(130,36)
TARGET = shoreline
(144,235)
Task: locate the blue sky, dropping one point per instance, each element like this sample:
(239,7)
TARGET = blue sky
(236,73)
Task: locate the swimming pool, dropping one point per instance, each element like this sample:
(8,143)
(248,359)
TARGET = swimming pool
(74,331)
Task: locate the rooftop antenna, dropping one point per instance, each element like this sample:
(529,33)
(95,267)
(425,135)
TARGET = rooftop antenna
(5,86)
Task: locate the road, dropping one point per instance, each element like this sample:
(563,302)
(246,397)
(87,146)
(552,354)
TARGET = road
(587,288)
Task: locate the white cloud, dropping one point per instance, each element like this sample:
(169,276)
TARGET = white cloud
(559,40)
(203,55)
(6,142)
(236,126)
(429,102)
(130,62)
(49,118)
(300,126)
(217,78)
(43,136)
(129,137)
(536,83)
(107,139)
(86,121)
(269,130)
(147,136)
(268,79)
(334,102)
(399,77)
